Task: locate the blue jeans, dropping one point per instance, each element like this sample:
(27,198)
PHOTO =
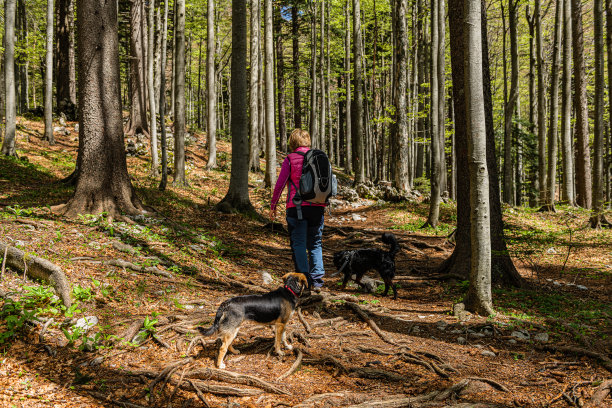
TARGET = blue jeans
(305,236)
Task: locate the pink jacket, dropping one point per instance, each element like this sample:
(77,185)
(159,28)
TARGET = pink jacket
(292,167)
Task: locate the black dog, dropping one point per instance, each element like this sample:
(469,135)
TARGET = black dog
(359,261)
(275,307)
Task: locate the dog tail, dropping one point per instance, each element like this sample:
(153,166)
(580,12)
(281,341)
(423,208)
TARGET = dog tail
(390,239)
(212,329)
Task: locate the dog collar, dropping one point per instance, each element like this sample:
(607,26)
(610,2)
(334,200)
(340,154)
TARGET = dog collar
(289,289)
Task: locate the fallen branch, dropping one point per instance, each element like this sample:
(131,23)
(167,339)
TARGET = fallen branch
(293,368)
(38,268)
(199,393)
(600,394)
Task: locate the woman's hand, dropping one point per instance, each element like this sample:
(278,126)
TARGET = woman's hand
(272,214)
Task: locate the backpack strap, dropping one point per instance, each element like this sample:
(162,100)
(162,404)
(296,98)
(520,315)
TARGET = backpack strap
(297,198)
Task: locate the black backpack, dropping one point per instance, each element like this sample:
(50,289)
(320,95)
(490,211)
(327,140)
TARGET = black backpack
(317,182)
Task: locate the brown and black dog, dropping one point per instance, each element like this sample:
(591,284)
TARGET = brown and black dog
(272,308)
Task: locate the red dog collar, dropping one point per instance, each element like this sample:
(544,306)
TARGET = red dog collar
(289,289)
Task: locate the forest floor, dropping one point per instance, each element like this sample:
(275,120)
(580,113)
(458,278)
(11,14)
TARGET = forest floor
(549,344)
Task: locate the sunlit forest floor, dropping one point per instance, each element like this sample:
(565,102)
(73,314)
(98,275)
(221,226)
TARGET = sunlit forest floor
(549,344)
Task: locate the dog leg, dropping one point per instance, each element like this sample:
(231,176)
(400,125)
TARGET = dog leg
(284,339)
(227,337)
(280,333)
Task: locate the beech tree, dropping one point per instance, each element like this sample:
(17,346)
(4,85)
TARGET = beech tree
(138,74)
(179,96)
(8,144)
(357,116)
(270,176)
(49,76)
(567,152)
(211,101)
(65,66)
(103,184)
(237,196)
(151,91)
(254,130)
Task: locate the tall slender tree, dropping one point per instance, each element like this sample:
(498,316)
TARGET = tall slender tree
(583,153)
(162,98)
(211,87)
(65,69)
(347,82)
(542,176)
(280,78)
(597,218)
(179,95)
(479,298)
(295,38)
(8,144)
(49,76)
(270,176)
(567,152)
(554,111)
(313,120)
(510,107)
(357,116)
(103,184)
(254,130)
(151,90)
(138,73)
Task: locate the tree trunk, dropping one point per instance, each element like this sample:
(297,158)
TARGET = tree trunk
(162,98)
(295,34)
(237,196)
(49,76)
(442,93)
(347,82)
(542,176)
(479,298)
(554,111)
(608,163)
(597,219)
(179,96)
(503,270)
(511,103)
(211,90)
(357,129)
(64,69)
(280,78)
(254,130)
(321,97)
(436,132)
(270,176)
(566,108)
(138,74)
(314,130)
(583,154)
(401,122)
(151,90)
(103,184)
(8,144)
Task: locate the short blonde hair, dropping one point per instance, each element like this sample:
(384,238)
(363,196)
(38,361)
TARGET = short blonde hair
(298,138)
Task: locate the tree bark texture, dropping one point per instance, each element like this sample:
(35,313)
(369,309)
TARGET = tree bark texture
(583,154)
(237,196)
(138,73)
(347,82)
(436,166)
(280,79)
(65,69)
(270,176)
(313,123)
(401,119)
(554,110)
(511,103)
(297,102)
(211,87)
(49,76)
(357,129)
(542,174)
(151,90)
(10,114)
(254,130)
(566,108)
(162,98)
(179,96)
(103,184)
(479,297)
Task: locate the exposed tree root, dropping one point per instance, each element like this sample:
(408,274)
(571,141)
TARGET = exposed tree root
(294,367)
(357,309)
(492,383)
(600,394)
(209,373)
(38,268)
(147,269)
(304,322)
(604,360)
(199,393)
